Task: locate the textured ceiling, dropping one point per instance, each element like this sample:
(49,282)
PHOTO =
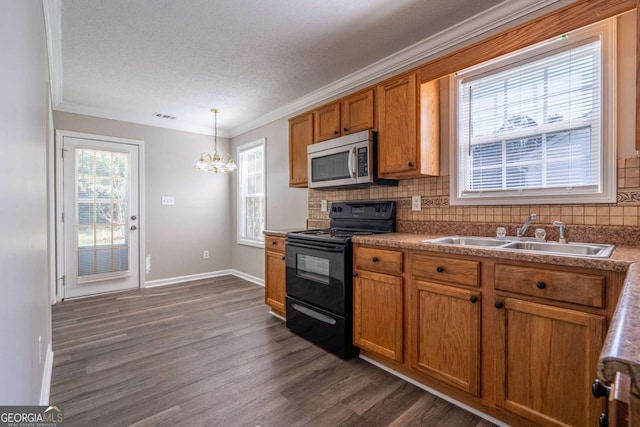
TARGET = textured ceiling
(245,57)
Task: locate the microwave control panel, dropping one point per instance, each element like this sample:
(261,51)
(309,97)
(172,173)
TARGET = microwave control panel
(363,161)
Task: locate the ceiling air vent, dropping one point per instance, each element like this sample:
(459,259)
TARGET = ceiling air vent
(164,116)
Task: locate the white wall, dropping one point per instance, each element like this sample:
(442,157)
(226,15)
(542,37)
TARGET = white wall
(175,236)
(286,207)
(24,308)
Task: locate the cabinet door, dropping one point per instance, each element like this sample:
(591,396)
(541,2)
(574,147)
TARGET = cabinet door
(448,335)
(326,122)
(377,314)
(274,287)
(357,112)
(300,136)
(546,359)
(397,126)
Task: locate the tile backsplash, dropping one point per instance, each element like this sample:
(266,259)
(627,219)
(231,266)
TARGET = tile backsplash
(604,223)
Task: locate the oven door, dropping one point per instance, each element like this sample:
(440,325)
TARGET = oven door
(318,274)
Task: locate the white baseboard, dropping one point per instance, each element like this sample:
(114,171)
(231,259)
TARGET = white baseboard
(201,276)
(277,315)
(437,393)
(45,388)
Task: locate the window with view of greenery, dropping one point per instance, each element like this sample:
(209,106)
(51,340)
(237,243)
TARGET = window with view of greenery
(535,125)
(251,194)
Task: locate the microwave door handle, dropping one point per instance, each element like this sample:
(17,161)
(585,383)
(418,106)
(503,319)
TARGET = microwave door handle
(352,162)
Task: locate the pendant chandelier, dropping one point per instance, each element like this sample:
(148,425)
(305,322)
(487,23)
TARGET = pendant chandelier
(215,162)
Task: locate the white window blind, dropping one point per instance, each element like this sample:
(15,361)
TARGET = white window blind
(251,193)
(531,124)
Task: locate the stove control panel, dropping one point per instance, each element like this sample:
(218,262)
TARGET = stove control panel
(362,210)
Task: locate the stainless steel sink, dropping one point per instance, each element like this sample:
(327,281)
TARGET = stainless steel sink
(583,249)
(468,241)
(523,244)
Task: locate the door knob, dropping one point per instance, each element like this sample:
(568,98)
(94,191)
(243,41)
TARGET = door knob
(133,228)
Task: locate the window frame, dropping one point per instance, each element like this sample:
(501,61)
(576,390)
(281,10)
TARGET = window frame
(607,31)
(241,239)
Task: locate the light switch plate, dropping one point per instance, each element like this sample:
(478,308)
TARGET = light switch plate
(323,205)
(168,200)
(416,203)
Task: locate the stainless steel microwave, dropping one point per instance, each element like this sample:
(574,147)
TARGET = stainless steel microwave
(347,161)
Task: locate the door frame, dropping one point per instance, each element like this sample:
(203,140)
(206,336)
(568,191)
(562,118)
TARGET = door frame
(59,203)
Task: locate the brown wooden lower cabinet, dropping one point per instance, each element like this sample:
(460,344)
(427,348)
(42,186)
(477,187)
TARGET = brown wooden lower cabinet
(448,334)
(275,270)
(505,337)
(378,313)
(546,360)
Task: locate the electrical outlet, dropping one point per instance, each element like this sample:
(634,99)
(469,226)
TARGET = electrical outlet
(416,203)
(168,200)
(205,254)
(323,205)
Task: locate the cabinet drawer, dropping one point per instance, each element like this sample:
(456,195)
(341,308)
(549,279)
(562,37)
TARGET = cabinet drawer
(442,269)
(272,243)
(578,288)
(381,260)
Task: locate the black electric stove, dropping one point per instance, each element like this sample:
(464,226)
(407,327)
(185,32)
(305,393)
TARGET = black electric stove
(319,273)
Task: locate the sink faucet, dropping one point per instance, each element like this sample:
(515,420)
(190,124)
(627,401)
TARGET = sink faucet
(527,222)
(561,232)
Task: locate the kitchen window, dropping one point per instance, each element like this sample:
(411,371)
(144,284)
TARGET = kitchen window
(251,193)
(538,125)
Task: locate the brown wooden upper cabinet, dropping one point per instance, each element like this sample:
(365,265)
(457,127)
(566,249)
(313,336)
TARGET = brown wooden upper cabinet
(408,127)
(300,136)
(348,115)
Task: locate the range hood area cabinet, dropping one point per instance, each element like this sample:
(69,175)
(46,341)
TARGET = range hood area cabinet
(351,114)
(300,136)
(408,127)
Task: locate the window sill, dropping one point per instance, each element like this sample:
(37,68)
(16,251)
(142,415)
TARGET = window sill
(251,243)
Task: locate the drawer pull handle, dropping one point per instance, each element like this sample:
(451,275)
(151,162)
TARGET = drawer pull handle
(541,285)
(439,269)
(375,259)
(598,389)
(498,304)
(473,299)
(355,274)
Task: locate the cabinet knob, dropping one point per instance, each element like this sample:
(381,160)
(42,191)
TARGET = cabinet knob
(284,257)
(375,259)
(274,243)
(498,304)
(473,299)
(355,274)
(345,130)
(599,389)
(410,164)
(541,285)
(439,269)
(336,132)
(603,421)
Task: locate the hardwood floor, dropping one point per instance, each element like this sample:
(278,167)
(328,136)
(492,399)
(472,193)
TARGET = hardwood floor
(208,353)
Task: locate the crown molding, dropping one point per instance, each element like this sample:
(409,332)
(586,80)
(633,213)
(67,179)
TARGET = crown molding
(140,119)
(504,13)
(53,30)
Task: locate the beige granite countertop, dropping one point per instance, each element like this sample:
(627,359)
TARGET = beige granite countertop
(621,350)
(281,232)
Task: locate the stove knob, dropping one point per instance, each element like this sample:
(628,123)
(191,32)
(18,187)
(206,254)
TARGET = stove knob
(333,209)
(339,209)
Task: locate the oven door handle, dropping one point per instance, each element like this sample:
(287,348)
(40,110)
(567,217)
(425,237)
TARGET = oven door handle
(314,314)
(352,162)
(317,246)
